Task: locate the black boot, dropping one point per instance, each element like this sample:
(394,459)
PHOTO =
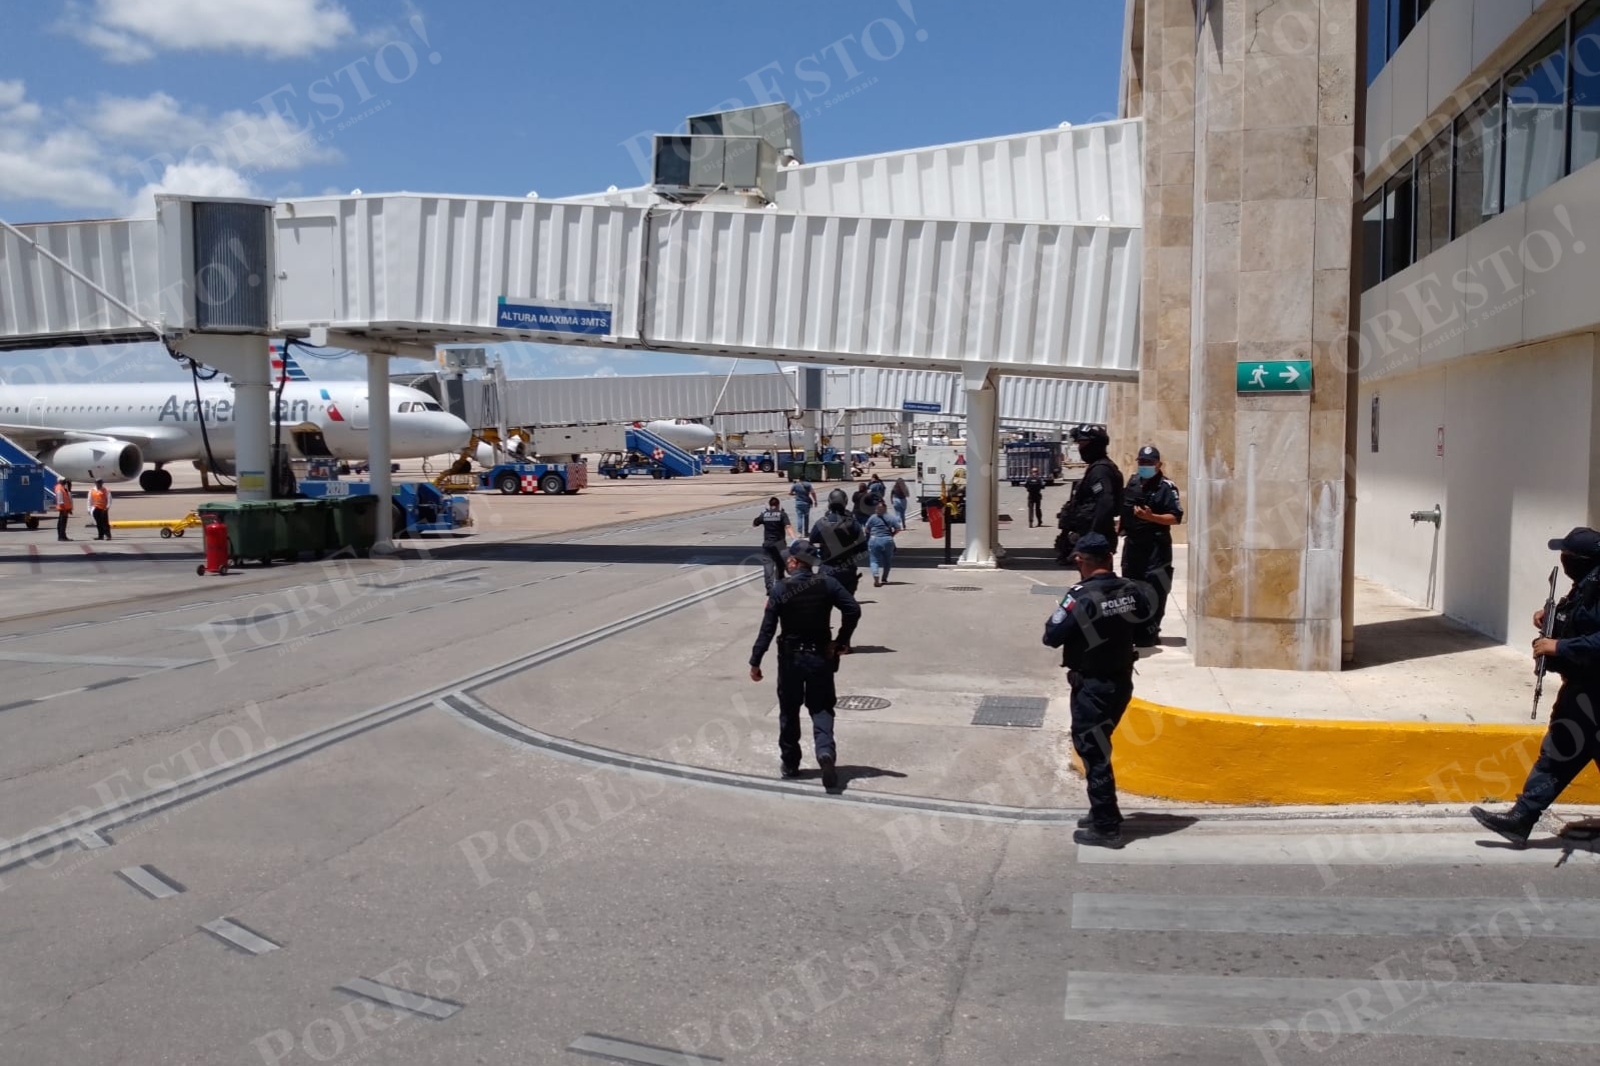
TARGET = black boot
(1099,838)
(830,776)
(1507,825)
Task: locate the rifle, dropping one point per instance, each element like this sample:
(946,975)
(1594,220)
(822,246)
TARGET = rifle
(1544,631)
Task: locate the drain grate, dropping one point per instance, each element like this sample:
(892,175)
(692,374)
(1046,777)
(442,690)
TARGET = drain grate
(862,703)
(1025,712)
(963,588)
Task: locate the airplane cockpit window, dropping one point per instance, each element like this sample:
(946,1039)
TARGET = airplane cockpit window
(430,407)
(405,407)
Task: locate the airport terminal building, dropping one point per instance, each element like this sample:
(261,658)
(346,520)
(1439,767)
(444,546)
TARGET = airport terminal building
(1404,195)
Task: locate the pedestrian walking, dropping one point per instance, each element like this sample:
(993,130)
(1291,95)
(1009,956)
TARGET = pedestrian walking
(805,498)
(63,507)
(1094,627)
(808,656)
(1035,487)
(900,498)
(881,529)
(100,509)
(1096,501)
(1151,507)
(1572,650)
(775,533)
(840,542)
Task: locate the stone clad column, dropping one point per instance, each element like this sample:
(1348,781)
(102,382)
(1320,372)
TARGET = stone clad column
(1276,84)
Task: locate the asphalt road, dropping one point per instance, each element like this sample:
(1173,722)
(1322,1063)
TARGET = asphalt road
(401,815)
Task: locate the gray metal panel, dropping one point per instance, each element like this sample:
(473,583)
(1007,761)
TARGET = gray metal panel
(1023,400)
(589,401)
(39,300)
(233,267)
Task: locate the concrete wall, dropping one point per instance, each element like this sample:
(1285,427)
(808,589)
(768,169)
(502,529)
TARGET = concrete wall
(1519,436)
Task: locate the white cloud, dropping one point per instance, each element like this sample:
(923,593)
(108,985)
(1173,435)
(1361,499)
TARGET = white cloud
(131,31)
(246,141)
(196,179)
(605,372)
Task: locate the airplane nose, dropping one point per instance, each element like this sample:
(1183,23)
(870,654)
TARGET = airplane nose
(448,433)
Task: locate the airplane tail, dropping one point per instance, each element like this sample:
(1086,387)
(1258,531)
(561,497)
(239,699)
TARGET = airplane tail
(284,367)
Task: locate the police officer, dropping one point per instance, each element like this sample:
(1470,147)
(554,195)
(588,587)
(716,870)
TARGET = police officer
(807,656)
(1573,650)
(840,541)
(1151,508)
(1035,487)
(1094,628)
(1096,501)
(774,523)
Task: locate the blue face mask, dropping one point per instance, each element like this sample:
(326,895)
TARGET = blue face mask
(1147,471)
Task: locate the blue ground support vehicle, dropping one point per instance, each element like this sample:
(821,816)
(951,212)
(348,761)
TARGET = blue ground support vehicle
(619,465)
(418,506)
(552,479)
(22,494)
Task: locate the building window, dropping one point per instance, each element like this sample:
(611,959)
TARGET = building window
(1372,241)
(1477,192)
(1377,37)
(1585,95)
(1398,217)
(1433,196)
(1536,120)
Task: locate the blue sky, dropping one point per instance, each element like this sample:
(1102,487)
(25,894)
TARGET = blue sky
(104,102)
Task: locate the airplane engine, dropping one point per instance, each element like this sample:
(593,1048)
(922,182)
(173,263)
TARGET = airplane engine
(111,460)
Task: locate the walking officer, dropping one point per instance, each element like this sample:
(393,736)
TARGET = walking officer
(1094,627)
(1151,508)
(1573,651)
(808,656)
(775,529)
(1096,500)
(840,541)
(1035,487)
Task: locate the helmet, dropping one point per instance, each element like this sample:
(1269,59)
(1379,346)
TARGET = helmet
(838,499)
(1091,433)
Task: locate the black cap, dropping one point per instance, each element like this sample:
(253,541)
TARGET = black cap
(1150,452)
(1088,432)
(802,549)
(1581,541)
(1093,544)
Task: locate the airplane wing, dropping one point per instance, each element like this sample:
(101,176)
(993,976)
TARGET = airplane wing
(38,438)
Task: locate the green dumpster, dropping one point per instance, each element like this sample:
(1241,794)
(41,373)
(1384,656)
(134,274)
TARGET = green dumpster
(301,527)
(835,470)
(354,523)
(252,528)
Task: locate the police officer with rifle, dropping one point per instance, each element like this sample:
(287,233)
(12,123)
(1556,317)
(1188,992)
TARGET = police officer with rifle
(1571,647)
(1094,627)
(1096,501)
(808,656)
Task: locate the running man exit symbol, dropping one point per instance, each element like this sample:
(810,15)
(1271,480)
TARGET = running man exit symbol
(1275,375)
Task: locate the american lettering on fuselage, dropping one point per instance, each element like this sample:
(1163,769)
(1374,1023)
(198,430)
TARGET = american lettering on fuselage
(220,409)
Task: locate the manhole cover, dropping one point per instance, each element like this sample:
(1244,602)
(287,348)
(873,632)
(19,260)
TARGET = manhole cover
(861,703)
(1026,712)
(963,588)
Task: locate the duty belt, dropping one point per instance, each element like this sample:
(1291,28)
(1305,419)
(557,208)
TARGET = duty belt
(793,645)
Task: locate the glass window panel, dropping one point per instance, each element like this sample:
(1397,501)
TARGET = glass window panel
(1586,85)
(1398,215)
(1536,120)
(1372,241)
(1477,192)
(1433,196)
(1377,34)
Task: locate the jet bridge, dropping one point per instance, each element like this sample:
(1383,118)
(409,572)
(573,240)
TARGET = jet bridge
(1015,256)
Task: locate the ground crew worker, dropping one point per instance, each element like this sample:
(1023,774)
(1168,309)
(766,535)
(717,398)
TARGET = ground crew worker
(840,542)
(1035,487)
(775,531)
(805,498)
(1094,628)
(1572,740)
(1096,500)
(63,508)
(808,656)
(100,509)
(1151,507)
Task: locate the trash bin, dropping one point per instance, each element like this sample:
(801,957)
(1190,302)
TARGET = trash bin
(834,470)
(252,527)
(355,523)
(301,527)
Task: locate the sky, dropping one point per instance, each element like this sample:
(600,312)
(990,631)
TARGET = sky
(104,103)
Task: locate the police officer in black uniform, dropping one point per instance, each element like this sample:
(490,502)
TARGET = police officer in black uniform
(1035,487)
(1151,508)
(1096,500)
(807,656)
(840,541)
(774,523)
(1573,651)
(1094,627)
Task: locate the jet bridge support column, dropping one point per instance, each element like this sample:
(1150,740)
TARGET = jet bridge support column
(378,451)
(983,409)
(247,360)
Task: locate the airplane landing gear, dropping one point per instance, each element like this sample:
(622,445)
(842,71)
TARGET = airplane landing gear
(157,480)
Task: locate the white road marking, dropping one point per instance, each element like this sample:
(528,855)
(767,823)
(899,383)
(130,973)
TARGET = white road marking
(149,880)
(400,999)
(627,1051)
(1329,847)
(231,932)
(41,658)
(1287,916)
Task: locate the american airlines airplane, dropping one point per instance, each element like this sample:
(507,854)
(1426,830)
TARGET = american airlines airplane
(111,431)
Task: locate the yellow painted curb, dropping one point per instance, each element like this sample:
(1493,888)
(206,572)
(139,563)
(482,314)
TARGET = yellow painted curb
(1205,757)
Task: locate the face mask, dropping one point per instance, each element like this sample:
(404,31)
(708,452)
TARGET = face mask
(1577,567)
(1147,471)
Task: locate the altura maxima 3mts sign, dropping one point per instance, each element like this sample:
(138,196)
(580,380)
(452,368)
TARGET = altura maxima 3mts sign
(1275,375)
(591,320)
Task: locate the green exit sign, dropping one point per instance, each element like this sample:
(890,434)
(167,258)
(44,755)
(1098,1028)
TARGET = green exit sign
(1275,375)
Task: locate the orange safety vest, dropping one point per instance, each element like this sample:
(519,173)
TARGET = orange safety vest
(99,499)
(63,499)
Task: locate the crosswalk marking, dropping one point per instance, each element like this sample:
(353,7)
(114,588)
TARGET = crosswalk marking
(1372,847)
(1282,1009)
(1577,919)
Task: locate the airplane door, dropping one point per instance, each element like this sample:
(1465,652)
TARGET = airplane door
(36,413)
(358,416)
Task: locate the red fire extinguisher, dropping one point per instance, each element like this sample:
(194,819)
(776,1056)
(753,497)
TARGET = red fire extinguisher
(936,521)
(216,541)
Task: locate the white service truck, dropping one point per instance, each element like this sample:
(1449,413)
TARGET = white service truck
(941,468)
(573,442)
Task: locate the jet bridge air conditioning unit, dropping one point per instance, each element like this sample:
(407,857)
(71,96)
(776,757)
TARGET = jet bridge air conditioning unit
(729,151)
(216,264)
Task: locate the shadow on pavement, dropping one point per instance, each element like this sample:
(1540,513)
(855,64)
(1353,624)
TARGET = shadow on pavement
(870,649)
(848,774)
(1143,824)
(1403,639)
